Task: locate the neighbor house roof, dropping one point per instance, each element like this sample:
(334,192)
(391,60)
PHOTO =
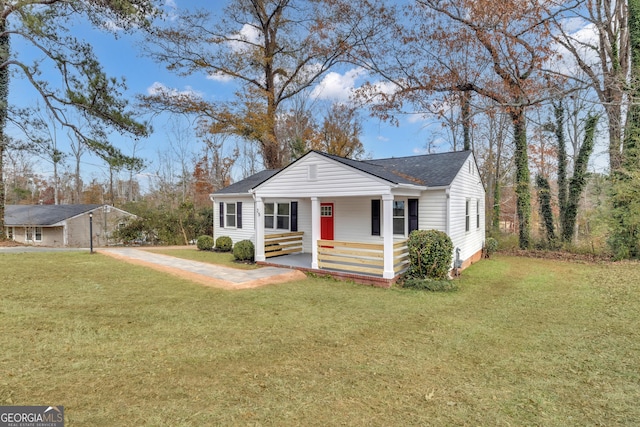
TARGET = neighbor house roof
(431,170)
(42,215)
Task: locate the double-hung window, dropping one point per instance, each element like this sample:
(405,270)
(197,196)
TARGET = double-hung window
(277,216)
(398,217)
(478,213)
(467,209)
(231,214)
(33,234)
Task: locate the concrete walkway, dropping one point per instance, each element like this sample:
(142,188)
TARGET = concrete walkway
(206,274)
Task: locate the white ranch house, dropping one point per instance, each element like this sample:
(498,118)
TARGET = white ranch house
(338,214)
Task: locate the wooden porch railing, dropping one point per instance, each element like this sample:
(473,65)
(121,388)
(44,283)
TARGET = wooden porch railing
(282,244)
(360,257)
(400,256)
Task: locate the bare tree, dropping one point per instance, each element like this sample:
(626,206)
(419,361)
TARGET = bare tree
(273,50)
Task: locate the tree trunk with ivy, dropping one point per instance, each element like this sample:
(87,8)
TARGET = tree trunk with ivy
(569,211)
(522,178)
(544,202)
(625,187)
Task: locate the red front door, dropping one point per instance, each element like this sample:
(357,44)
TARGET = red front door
(326,221)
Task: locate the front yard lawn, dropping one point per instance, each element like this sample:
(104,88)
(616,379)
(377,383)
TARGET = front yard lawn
(523,342)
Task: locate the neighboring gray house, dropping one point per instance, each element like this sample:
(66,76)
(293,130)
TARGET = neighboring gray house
(355,216)
(62,225)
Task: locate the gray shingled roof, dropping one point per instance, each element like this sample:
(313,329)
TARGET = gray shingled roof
(431,170)
(248,183)
(18,215)
(374,169)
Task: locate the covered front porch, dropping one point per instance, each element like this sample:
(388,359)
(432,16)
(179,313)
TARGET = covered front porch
(359,262)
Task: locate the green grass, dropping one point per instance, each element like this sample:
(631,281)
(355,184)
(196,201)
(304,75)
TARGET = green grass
(523,342)
(193,254)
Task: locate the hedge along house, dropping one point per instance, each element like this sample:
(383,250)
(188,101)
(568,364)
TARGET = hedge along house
(63,225)
(328,213)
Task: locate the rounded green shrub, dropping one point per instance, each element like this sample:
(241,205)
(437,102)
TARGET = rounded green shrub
(204,243)
(490,246)
(243,250)
(224,244)
(430,254)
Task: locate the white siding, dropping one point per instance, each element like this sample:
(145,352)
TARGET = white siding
(247,232)
(304,223)
(432,211)
(333,179)
(352,219)
(467,186)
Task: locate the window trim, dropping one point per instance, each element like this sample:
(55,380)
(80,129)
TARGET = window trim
(467,215)
(394,217)
(225,216)
(228,216)
(478,213)
(376,223)
(275,215)
(34,234)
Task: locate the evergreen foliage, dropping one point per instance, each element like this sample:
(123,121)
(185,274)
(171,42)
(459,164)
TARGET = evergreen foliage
(430,254)
(244,250)
(205,243)
(624,239)
(224,244)
(430,285)
(490,246)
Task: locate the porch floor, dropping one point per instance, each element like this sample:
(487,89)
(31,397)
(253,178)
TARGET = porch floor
(302,262)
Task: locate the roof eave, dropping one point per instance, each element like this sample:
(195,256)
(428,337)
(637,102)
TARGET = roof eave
(217,195)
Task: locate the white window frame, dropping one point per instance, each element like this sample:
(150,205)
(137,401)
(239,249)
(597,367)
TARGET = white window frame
(403,217)
(477,213)
(31,234)
(276,215)
(230,217)
(467,215)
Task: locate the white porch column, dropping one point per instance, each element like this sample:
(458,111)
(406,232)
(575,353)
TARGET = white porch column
(260,229)
(315,231)
(387,233)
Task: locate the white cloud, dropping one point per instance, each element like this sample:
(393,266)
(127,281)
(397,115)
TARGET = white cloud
(585,37)
(219,77)
(158,88)
(249,34)
(336,86)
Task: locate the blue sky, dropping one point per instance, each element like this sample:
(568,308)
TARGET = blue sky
(122,57)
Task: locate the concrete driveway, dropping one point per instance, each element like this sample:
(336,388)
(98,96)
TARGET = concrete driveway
(206,274)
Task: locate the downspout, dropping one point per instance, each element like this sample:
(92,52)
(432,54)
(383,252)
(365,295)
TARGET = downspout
(213,220)
(447,217)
